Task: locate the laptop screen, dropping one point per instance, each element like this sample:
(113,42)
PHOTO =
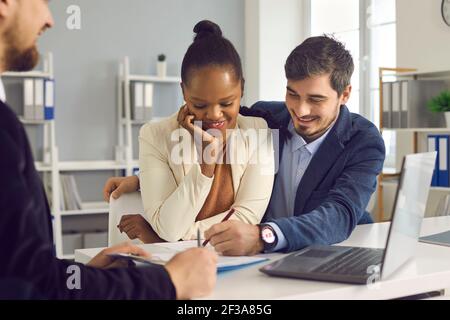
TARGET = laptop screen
(409,210)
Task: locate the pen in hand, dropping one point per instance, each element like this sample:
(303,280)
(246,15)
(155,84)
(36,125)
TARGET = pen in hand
(223,220)
(198,239)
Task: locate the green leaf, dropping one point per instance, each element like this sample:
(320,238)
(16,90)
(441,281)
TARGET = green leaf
(440,103)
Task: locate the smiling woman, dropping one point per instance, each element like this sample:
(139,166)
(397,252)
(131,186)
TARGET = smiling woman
(208,184)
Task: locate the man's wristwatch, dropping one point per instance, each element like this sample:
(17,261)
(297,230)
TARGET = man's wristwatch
(268,237)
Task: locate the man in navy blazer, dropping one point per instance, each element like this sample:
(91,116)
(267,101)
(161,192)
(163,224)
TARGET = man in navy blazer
(329,159)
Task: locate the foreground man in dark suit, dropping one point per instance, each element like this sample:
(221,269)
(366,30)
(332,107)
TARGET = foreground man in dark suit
(29,268)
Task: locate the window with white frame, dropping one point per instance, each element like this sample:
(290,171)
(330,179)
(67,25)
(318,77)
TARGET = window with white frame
(367,28)
(381,24)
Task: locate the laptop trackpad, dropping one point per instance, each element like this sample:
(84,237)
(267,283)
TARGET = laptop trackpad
(310,258)
(317,253)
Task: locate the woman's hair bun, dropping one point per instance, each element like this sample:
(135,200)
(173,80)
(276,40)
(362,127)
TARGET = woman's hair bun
(205,29)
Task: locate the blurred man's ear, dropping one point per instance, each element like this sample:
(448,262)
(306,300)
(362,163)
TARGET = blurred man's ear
(346,95)
(5,8)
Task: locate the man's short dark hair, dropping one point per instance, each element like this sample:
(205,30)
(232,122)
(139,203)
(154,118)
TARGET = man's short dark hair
(318,56)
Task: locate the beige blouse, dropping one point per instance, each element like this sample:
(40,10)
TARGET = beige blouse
(174,190)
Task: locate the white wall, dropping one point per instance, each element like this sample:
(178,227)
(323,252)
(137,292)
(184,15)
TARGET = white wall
(252,59)
(273,29)
(423,39)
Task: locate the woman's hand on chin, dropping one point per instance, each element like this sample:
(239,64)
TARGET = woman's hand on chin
(209,147)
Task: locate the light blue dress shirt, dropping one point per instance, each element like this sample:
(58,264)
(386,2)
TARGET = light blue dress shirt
(296,156)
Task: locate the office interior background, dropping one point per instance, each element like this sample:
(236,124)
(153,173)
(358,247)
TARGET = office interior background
(96,67)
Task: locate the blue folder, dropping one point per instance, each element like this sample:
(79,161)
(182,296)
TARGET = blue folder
(433,146)
(443,166)
(49,100)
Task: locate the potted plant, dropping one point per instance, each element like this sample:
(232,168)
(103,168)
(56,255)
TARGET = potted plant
(441,103)
(161,67)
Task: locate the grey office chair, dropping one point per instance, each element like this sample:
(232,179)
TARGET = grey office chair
(130,203)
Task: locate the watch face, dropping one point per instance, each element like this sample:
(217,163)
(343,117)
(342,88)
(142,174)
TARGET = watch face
(446,11)
(267,235)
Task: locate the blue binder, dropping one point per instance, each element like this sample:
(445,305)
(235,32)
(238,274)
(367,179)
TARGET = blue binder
(49,100)
(433,145)
(443,175)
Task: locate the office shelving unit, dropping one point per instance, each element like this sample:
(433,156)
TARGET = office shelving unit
(389,177)
(51,167)
(124,149)
(123,162)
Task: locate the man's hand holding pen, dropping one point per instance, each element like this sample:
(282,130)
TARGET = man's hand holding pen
(235,238)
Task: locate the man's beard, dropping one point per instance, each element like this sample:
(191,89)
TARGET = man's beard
(19,59)
(16,60)
(318,133)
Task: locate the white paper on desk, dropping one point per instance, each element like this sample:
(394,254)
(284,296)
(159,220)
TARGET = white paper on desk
(224,263)
(179,245)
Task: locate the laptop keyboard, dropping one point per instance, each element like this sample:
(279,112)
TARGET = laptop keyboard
(352,262)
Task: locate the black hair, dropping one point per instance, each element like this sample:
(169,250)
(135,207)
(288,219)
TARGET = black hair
(210,48)
(318,56)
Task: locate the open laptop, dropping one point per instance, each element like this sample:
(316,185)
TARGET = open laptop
(360,265)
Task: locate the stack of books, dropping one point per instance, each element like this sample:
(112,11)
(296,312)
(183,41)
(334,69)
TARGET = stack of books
(69,197)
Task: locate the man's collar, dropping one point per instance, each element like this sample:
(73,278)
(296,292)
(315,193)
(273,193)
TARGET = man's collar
(297,140)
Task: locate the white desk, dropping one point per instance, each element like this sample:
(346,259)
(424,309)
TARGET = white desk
(428,271)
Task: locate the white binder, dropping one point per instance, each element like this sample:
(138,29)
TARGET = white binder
(404,105)
(396,101)
(137,101)
(387,104)
(39,99)
(148,101)
(28,99)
